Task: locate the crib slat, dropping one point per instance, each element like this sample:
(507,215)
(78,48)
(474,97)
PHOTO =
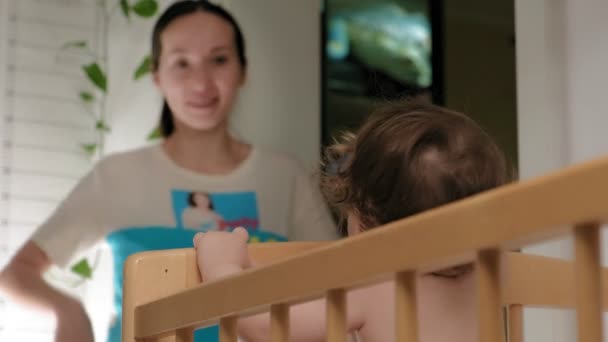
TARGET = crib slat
(228,330)
(488,285)
(336,315)
(184,335)
(279,323)
(588,282)
(406,321)
(515,323)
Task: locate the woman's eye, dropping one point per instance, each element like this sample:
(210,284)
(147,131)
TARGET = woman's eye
(182,64)
(220,59)
(178,64)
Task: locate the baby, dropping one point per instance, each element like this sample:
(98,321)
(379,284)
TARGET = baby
(407,158)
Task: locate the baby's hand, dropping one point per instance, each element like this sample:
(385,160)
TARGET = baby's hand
(221,253)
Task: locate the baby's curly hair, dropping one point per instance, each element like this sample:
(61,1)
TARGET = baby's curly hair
(407,158)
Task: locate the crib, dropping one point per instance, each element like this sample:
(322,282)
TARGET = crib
(161,286)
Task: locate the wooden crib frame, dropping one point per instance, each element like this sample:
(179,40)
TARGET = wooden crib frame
(163,296)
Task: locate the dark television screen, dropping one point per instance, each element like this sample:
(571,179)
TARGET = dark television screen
(376,50)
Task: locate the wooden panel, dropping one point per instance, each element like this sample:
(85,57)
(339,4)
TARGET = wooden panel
(152,275)
(155,274)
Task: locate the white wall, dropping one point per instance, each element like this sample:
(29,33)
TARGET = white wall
(562,69)
(587,75)
(133,106)
(280,104)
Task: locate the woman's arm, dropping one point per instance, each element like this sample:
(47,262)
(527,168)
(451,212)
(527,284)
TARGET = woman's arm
(22,282)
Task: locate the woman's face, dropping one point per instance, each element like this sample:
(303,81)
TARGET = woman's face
(199,72)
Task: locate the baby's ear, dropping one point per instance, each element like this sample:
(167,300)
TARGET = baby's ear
(241,232)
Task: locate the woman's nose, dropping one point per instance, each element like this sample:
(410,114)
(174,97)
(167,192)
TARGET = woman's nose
(201,80)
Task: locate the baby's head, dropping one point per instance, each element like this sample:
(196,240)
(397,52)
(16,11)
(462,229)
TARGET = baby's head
(407,158)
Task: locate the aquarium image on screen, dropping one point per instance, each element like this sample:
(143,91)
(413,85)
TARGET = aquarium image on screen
(378,48)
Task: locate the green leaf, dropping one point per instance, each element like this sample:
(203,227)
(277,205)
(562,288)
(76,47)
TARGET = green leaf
(76,44)
(143,68)
(102,126)
(83,269)
(96,75)
(86,96)
(89,148)
(155,134)
(126,10)
(145,8)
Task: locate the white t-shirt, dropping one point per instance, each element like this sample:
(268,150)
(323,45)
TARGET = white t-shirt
(142,188)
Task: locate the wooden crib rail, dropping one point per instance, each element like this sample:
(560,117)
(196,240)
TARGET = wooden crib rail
(477,228)
(526,283)
(156,274)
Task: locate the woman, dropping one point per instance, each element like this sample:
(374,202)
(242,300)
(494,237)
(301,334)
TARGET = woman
(136,199)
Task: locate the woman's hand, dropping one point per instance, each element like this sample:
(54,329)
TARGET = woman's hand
(22,282)
(73,324)
(220,254)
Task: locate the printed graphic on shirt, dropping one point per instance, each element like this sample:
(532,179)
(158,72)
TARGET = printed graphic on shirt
(194,211)
(200,210)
